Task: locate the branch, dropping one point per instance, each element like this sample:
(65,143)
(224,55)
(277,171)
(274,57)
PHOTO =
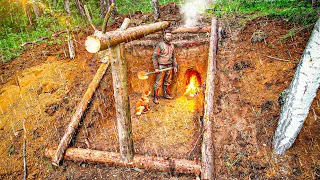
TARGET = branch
(106,18)
(285,60)
(89,17)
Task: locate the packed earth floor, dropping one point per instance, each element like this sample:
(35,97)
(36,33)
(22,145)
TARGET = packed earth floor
(42,87)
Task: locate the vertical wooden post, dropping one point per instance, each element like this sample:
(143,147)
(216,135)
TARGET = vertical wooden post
(207,150)
(122,103)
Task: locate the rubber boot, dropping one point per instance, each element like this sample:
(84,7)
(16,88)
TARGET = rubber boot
(155,97)
(166,90)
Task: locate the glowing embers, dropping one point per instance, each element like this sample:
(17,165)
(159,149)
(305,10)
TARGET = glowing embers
(193,83)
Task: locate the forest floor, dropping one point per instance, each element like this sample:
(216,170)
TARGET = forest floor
(42,87)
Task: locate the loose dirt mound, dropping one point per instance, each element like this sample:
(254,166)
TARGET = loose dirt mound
(251,77)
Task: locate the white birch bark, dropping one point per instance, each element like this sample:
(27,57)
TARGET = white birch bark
(302,91)
(156,9)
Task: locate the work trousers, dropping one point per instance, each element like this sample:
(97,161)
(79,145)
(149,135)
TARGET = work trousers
(163,77)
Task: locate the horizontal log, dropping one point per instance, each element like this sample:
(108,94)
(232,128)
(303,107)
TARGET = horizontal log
(100,41)
(142,162)
(179,43)
(192,30)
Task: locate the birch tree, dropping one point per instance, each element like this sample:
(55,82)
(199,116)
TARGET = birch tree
(301,93)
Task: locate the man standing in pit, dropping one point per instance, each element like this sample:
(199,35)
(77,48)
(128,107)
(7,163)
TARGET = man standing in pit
(163,57)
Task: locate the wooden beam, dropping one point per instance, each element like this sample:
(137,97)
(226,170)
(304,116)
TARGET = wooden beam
(100,41)
(207,149)
(149,163)
(301,93)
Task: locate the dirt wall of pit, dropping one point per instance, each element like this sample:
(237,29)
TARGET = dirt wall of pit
(189,56)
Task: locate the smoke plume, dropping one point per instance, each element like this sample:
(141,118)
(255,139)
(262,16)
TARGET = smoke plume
(191,11)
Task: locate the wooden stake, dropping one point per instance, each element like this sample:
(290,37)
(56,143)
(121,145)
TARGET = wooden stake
(106,18)
(149,163)
(24,151)
(70,42)
(207,168)
(76,118)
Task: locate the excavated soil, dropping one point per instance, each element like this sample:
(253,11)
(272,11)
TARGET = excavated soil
(42,87)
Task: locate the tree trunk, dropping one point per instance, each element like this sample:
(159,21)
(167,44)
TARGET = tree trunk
(76,117)
(156,9)
(28,12)
(104,6)
(142,162)
(99,41)
(315,3)
(207,149)
(301,93)
(115,12)
(36,9)
(67,7)
(79,5)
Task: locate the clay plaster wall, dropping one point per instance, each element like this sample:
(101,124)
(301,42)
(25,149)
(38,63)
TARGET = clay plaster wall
(138,58)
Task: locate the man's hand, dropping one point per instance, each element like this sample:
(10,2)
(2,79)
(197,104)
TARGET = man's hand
(175,69)
(156,71)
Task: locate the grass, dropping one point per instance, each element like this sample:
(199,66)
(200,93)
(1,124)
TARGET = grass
(293,11)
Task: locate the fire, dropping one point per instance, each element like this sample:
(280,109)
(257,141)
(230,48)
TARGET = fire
(193,86)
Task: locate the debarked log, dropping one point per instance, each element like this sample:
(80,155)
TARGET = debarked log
(143,162)
(99,41)
(207,148)
(192,30)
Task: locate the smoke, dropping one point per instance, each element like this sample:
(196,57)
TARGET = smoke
(191,11)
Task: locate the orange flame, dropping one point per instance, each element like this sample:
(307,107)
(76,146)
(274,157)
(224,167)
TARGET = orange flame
(193,86)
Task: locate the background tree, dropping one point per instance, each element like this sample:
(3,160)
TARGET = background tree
(80,8)
(104,6)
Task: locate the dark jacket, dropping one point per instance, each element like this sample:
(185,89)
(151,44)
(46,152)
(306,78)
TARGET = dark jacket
(164,55)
